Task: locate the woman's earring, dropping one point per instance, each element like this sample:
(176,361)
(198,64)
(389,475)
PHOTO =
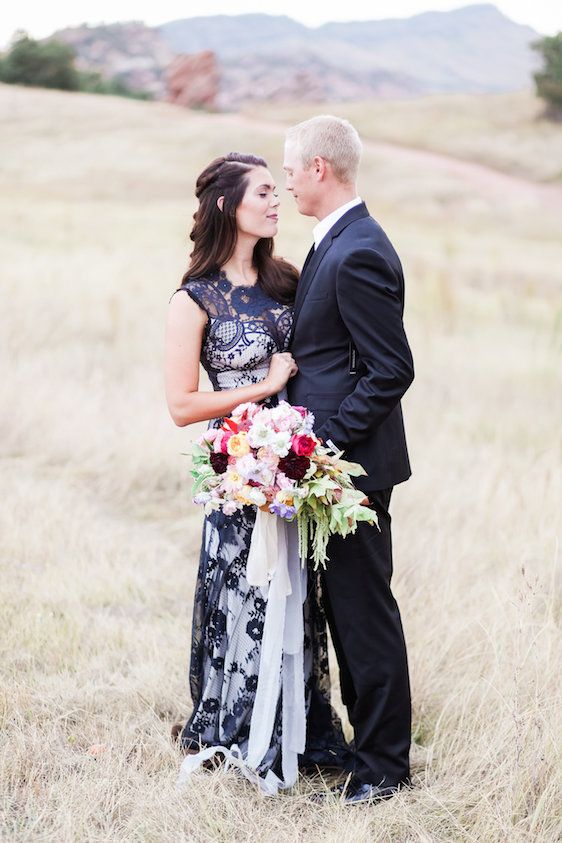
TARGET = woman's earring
(220,203)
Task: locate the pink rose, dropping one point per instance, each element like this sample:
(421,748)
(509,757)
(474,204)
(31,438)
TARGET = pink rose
(224,441)
(283,482)
(302,410)
(208,437)
(303,445)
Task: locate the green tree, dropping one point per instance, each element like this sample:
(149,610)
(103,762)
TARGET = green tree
(50,64)
(548,81)
(47,64)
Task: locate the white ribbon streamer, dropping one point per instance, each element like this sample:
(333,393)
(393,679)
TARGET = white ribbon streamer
(267,544)
(274,566)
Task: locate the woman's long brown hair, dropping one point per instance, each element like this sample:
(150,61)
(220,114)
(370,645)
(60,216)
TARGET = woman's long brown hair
(215,232)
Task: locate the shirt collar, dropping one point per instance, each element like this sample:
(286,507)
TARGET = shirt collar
(322,228)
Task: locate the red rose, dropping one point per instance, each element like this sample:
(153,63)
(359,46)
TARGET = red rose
(219,462)
(303,445)
(294,466)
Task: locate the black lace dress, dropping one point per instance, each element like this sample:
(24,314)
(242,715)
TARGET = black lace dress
(244,328)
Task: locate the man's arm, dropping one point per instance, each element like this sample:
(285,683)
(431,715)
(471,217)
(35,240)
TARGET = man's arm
(370,304)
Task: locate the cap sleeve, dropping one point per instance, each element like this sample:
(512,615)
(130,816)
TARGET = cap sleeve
(205,295)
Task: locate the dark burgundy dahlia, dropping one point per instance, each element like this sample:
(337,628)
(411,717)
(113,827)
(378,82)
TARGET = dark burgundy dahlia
(219,462)
(294,466)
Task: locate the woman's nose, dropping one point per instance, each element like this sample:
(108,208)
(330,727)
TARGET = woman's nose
(275,201)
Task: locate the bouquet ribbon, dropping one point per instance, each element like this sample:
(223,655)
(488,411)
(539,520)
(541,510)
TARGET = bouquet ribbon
(274,566)
(268,553)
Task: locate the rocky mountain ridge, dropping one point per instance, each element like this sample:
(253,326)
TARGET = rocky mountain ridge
(274,58)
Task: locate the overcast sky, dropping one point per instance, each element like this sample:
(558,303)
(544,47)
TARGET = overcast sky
(40,19)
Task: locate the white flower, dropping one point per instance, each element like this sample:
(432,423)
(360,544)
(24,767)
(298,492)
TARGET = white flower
(247,466)
(260,434)
(256,496)
(280,443)
(308,423)
(264,476)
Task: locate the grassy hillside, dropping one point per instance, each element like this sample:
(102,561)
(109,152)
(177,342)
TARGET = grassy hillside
(99,543)
(504,131)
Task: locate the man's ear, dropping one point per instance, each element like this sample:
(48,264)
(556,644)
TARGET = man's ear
(319,167)
(220,203)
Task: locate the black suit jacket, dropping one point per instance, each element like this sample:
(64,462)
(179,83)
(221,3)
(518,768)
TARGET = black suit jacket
(349,342)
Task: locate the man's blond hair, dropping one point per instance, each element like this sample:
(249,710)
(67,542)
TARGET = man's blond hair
(331,138)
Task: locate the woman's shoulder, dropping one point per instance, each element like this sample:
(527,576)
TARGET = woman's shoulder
(205,290)
(197,286)
(196,282)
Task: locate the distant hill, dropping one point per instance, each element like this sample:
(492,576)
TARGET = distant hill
(135,53)
(274,58)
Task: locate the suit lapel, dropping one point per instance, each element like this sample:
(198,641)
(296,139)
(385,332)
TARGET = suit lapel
(307,259)
(309,271)
(314,257)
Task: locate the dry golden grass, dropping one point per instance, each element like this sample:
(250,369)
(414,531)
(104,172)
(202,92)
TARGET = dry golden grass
(100,544)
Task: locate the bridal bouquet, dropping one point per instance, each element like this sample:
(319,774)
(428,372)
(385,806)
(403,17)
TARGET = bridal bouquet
(270,458)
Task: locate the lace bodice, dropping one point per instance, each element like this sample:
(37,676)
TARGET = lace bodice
(245,326)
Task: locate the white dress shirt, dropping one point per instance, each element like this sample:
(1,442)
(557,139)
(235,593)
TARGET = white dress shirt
(322,228)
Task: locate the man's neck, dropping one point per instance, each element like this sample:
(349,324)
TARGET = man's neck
(335,200)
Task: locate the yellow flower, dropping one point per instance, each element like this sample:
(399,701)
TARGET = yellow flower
(243,495)
(237,445)
(285,496)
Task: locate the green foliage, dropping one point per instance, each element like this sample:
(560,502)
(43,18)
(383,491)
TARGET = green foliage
(94,83)
(549,80)
(50,64)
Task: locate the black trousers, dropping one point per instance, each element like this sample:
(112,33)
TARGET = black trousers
(369,642)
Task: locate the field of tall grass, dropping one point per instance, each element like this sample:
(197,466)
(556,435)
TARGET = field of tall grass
(506,131)
(99,542)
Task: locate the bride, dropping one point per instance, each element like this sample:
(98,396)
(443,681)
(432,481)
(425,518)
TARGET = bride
(233,313)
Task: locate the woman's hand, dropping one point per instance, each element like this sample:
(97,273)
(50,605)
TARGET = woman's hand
(281,367)
(184,338)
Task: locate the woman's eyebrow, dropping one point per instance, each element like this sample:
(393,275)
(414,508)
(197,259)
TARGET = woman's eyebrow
(268,186)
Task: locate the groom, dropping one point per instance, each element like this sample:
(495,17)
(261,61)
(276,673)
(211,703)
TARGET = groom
(355,365)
